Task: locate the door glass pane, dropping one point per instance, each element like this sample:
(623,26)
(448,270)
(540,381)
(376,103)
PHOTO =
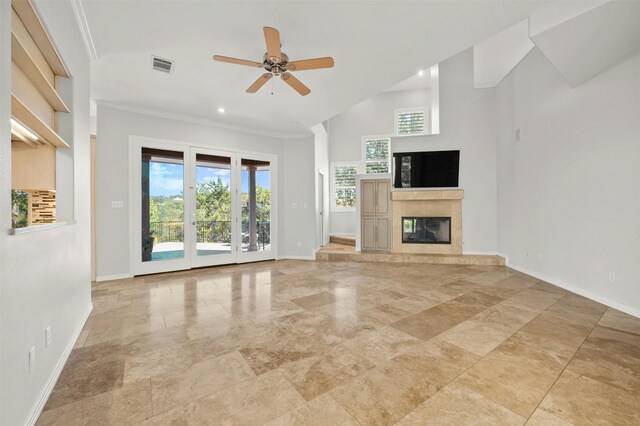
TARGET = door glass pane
(256,205)
(162,205)
(213,205)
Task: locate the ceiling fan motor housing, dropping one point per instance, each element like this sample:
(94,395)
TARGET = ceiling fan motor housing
(273,65)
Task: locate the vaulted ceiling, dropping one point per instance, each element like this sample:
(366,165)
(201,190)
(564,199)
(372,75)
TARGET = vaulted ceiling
(375,45)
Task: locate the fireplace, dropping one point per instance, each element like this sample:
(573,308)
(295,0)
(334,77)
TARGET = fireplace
(426,230)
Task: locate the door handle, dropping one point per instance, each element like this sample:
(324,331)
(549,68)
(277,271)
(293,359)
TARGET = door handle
(193,223)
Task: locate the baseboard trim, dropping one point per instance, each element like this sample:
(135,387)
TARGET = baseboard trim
(481,253)
(46,392)
(577,290)
(113,277)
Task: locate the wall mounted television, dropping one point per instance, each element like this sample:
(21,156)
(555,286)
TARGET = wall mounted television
(427,169)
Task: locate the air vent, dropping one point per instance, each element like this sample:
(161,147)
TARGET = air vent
(161,64)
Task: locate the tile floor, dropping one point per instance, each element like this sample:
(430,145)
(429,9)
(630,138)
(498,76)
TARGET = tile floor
(302,342)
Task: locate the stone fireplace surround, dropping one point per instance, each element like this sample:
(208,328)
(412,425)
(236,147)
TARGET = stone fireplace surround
(427,202)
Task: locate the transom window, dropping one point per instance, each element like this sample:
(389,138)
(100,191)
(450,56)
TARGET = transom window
(376,154)
(411,121)
(344,185)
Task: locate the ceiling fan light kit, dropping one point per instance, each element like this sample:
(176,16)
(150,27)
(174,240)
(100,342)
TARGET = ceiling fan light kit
(277,64)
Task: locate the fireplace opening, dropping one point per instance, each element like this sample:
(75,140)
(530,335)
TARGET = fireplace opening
(426,230)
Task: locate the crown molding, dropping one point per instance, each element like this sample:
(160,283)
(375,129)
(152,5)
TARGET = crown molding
(81,18)
(200,121)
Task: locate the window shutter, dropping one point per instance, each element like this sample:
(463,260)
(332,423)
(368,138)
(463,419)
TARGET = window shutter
(410,122)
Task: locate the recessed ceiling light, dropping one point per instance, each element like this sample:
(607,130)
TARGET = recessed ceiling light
(221,110)
(421,72)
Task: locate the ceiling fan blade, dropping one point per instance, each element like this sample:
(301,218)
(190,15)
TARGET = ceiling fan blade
(261,81)
(295,84)
(310,64)
(237,61)
(272,37)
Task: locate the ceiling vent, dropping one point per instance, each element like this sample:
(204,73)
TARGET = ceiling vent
(161,64)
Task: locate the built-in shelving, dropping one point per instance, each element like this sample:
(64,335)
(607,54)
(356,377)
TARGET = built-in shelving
(25,116)
(27,14)
(29,66)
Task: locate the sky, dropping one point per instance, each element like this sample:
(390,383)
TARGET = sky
(167,179)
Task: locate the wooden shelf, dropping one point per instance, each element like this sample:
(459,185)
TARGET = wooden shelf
(30,120)
(26,63)
(27,14)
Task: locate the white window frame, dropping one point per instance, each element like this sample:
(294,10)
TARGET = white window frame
(358,165)
(363,152)
(396,121)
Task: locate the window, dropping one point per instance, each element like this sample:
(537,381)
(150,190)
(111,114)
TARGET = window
(411,121)
(376,154)
(344,185)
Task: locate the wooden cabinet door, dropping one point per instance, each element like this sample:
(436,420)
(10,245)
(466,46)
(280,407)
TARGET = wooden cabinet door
(368,197)
(383,225)
(368,233)
(382,197)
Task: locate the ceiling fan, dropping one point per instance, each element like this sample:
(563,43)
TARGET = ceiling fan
(277,64)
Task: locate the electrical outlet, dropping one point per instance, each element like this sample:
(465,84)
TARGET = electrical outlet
(294,205)
(539,257)
(612,277)
(47,336)
(299,244)
(304,205)
(32,359)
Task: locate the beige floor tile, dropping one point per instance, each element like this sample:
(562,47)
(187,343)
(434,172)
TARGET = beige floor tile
(200,379)
(456,405)
(250,343)
(161,361)
(613,318)
(436,360)
(318,374)
(553,333)
(252,402)
(514,375)
(315,300)
(322,411)
(543,418)
(383,395)
(126,405)
(382,344)
(581,400)
(433,321)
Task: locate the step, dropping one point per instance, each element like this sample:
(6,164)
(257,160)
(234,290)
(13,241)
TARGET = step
(347,240)
(438,259)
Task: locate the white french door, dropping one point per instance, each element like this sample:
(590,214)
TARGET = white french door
(196,206)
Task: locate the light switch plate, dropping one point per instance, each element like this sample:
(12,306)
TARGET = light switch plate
(117,204)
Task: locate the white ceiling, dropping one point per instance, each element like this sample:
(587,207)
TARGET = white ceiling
(582,39)
(375,45)
(420,80)
(495,57)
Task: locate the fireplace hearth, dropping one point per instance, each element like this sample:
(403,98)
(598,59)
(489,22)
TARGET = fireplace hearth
(426,230)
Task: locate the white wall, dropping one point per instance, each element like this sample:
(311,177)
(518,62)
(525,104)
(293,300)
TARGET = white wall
(114,126)
(45,275)
(297,180)
(569,189)
(467,123)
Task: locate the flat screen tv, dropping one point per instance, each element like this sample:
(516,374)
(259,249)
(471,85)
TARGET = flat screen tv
(427,169)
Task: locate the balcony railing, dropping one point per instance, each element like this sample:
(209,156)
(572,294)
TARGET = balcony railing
(208,231)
